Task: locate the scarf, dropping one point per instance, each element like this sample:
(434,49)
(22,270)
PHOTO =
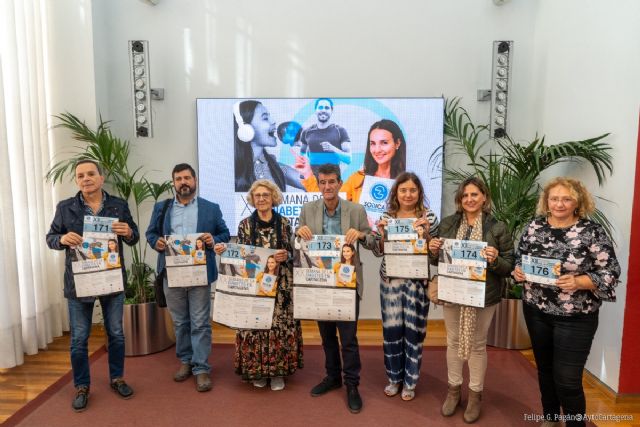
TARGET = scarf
(468,314)
(275,223)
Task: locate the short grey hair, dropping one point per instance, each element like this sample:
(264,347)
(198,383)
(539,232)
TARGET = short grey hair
(276,195)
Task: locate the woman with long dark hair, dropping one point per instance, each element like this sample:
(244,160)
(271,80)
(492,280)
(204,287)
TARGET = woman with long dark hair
(404,301)
(385,157)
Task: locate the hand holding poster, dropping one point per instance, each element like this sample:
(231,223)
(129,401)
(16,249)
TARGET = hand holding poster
(541,270)
(186,260)
(96,263)
(324,278)
(463,272)
(405,249)
(246,287)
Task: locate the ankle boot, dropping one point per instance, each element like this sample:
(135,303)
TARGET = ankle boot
(452,401)
(472,413)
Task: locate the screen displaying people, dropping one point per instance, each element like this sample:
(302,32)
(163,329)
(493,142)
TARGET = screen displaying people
(286,140)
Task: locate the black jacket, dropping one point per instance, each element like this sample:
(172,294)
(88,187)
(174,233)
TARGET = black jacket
(70,217)
(495,234)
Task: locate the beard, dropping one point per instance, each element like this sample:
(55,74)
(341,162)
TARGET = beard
(186,191)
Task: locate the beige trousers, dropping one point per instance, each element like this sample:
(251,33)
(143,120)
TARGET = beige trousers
(478,356)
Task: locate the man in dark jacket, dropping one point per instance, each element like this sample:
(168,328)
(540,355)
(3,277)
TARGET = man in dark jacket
(66,234)
(190,306)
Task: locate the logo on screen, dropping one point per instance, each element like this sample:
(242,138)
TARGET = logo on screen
(379,192)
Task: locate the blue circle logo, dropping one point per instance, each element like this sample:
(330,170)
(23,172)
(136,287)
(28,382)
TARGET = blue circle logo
(379,192)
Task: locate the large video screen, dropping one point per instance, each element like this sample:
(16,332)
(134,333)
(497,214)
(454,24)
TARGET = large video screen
(285,140)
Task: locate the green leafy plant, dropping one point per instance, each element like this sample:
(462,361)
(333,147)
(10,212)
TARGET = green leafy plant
(512,170)
(112,153)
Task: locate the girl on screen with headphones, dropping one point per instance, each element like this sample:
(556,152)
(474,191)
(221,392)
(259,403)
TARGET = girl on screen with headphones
(254,130)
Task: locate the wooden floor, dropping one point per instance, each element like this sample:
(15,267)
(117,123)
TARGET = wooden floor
(23,383)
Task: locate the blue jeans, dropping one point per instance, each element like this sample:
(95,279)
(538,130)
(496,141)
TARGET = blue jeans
(190,310)
(80,315)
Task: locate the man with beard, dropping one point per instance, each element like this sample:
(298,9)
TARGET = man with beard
(190,307)
(325,142)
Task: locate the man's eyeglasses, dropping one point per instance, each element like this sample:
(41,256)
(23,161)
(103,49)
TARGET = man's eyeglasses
(323,107)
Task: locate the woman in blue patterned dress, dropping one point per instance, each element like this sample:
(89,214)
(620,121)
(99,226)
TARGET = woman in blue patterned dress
(562,318)
(403,301)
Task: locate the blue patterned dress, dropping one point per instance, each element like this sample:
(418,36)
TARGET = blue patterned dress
(405,307)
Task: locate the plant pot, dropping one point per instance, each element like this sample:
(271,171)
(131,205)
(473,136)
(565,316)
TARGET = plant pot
(147,329)
(508,328)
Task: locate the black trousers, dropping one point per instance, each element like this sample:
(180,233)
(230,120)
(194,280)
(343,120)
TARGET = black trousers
(561,345)
(350,364)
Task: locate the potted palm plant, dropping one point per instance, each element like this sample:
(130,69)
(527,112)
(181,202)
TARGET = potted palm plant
(512,172)
(148,328)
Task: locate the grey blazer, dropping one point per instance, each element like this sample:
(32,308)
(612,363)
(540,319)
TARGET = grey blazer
(352,215)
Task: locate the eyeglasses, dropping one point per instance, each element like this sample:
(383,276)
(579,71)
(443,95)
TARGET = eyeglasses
(262,196)
(563,200)
(323,107)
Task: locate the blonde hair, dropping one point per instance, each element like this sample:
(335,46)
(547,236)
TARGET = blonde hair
(578,192)
(276,195)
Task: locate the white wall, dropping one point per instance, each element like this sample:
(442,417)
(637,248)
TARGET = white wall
(586,63)
(71,86)
(575,76)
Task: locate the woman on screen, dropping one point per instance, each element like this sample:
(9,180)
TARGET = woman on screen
(467,327)
(562,318)
(385,157)
(254,130)
(404,301)
(269,355)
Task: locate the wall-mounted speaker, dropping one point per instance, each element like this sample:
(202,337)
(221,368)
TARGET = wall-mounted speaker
(140,87)
(500,87)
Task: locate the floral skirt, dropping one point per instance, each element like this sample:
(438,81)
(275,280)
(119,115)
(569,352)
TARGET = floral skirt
(276,352)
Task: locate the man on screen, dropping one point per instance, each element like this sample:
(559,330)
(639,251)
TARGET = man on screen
(332,215)
(190,306)
(324,141)
(66,234)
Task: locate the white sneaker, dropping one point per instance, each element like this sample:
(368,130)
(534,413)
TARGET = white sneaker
(277,383)
(260,383)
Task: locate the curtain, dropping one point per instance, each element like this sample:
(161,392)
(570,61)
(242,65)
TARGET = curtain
(32,307)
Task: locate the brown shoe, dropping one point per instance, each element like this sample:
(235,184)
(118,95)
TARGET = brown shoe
(183,373)
(474,401)
(452,401)
(203,382)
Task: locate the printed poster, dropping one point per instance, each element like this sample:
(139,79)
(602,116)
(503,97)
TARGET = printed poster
(375,192)
(541,270)
(463,272)
(324,278)
(405,249)
(96,263)
(186,260)
(246,287)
